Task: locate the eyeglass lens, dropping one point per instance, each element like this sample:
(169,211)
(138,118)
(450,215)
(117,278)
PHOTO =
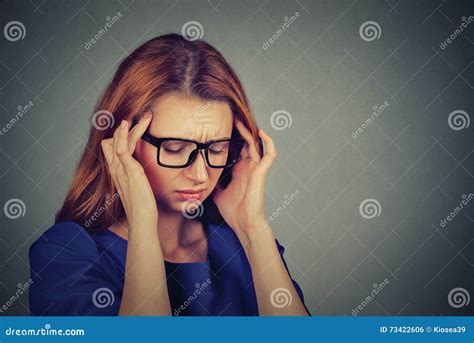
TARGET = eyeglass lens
(177,153)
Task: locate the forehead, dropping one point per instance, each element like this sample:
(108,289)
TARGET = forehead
(191,117)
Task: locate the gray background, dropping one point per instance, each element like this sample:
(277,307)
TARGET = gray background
(328,79)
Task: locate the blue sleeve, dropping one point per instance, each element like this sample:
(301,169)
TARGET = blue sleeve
(67,275)
(281,249)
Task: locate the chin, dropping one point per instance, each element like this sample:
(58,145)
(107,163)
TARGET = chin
(190,203)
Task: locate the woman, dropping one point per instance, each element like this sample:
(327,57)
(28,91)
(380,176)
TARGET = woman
(165,214)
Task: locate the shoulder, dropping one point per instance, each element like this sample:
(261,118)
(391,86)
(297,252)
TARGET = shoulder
(67,275)
(63,238)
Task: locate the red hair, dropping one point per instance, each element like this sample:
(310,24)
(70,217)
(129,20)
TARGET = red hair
(165,64)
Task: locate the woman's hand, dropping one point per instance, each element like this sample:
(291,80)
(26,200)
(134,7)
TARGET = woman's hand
(241,203)
(128,174)
(145,292)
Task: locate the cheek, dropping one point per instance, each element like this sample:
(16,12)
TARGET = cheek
(162,180)
(214,175)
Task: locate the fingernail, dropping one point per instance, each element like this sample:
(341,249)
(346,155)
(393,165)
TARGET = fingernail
(122,125)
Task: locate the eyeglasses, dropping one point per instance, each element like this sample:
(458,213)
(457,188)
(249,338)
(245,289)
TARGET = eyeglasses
(181,153)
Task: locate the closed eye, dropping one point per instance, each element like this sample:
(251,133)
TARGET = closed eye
(220,152)
(173,152)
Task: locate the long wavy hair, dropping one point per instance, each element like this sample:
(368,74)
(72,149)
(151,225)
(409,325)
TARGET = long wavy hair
(165,64)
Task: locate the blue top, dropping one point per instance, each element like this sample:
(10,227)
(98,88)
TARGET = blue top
(75,272)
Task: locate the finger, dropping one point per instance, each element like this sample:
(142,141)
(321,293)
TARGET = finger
(270,153)
(122,145)
(115,159)
(138,130)
(107,150)
(246,134)
(270,148)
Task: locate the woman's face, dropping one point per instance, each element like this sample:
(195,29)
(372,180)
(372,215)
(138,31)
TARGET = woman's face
(193,118)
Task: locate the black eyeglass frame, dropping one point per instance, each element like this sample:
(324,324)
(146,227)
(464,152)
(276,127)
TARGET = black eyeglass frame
(156,141)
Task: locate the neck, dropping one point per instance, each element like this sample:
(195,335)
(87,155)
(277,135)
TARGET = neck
(175,230)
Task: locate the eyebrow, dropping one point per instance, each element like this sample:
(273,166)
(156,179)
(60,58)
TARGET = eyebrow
(189,139)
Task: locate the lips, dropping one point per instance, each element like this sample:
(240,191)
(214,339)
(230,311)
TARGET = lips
(190,194)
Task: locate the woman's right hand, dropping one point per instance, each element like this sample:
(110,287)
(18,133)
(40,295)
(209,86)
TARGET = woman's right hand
(145,292)
(128,174)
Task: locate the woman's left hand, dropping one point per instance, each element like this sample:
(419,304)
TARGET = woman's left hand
(241,203)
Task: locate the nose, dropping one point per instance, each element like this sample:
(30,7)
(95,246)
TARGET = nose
(197,171)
